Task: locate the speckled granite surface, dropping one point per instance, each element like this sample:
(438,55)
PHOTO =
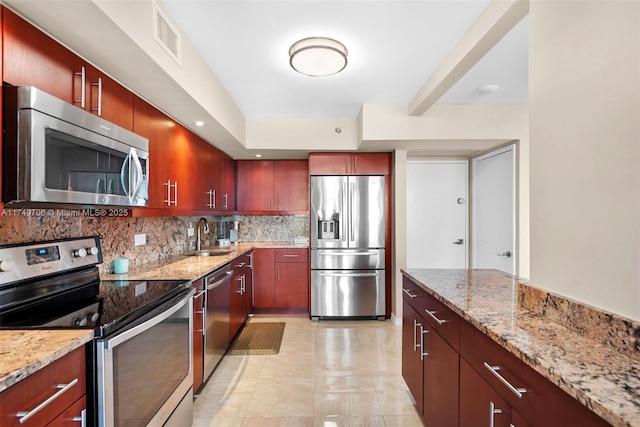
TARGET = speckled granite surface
(23,352)
(183,267)
(598,375)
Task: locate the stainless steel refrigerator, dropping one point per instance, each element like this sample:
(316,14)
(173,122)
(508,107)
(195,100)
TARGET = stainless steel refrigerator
(347,247)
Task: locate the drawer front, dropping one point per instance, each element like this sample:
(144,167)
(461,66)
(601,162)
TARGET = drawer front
(441,319)
(240,263)
(541,402)
(25,396)
(292,255)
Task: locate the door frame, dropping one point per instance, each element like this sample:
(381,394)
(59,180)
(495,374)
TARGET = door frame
(467,203)
(512,146)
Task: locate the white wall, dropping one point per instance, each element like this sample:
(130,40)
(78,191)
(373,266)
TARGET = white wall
(585,151)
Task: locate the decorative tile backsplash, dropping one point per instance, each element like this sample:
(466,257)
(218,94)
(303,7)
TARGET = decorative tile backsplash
(166,236)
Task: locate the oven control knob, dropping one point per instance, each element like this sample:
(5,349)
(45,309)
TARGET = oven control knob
(79,253)
(80,322)
(92,250)
(6,265)
(93,317)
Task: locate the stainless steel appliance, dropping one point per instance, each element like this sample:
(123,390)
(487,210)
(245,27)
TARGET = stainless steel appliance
(54,152)
(217,317)
(347,246)
(227,233)
(141,328)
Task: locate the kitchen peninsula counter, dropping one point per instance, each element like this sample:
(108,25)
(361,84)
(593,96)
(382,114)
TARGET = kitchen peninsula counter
(186,267)
(599,376)
(26,351)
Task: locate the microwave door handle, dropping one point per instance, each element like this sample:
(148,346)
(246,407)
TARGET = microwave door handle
(138,175)
(122,180)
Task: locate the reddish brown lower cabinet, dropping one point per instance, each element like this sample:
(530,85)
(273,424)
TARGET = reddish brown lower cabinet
(73,416)
(241,285)
(65,378)
(412,370)
(264,284)
(198,333)
(281,280)
(463,375)
(480,405)
(429,364)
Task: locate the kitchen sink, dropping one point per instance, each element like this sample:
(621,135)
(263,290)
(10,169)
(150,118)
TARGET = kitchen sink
(212,252)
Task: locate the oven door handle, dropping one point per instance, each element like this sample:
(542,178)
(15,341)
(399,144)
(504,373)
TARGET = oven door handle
(121,337)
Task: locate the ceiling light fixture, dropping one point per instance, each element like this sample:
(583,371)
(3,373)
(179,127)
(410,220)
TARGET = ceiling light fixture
(318,56)
(199,123)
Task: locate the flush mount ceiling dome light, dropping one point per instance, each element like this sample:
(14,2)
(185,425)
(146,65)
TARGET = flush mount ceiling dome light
(318,56)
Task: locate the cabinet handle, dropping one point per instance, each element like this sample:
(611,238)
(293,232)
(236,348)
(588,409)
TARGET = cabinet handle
(415,329)
(423,332)
(494,370)
(432,314)
(278,271)
(175,187)
(212,199)
(83,90)
(291,255)
(82,418)
(99,85)
(226,201)
(24,416)
(406,291)
(492,413)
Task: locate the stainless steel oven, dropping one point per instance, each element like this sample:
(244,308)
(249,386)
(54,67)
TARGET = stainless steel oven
(139,365)
(54,152)
(145,371)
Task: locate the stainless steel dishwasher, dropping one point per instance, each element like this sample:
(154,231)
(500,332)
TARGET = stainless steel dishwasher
(218,301)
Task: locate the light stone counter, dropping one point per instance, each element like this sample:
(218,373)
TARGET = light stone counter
(25,351)
(183,267)
(600,376)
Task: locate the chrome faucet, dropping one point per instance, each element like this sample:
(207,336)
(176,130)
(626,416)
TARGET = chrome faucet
(206,231)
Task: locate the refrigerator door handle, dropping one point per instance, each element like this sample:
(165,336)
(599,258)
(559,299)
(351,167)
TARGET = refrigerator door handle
(349,274)
(352,237)
(341,253)
(344,212)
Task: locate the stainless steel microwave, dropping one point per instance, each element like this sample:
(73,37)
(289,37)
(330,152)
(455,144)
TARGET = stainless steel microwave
(56,153)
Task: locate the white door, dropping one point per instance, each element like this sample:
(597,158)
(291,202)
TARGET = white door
(437,214)
(494,210)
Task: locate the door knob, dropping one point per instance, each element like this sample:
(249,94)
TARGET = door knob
(459,242)
(505,254)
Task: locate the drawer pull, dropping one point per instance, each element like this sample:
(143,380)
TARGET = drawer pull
(432,314)
(24,416)
(492,412)
(82,419)
(291,255)
(423,353)
(408,293)
(494,370)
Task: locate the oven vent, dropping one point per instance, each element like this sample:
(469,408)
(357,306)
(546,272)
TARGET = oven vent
(167,34)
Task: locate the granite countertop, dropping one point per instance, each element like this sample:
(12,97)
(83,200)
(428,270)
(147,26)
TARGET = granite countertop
(595,374)
(185,267)
(25,351)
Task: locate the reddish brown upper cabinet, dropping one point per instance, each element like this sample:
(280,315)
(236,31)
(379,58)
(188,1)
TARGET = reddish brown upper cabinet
(32,58)
(267,186)
(226,196)
(350,163)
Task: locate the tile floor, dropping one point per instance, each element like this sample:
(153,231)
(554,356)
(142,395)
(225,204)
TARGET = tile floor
(327,374)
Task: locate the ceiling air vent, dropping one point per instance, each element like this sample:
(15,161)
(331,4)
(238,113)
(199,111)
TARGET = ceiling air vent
(167,34)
